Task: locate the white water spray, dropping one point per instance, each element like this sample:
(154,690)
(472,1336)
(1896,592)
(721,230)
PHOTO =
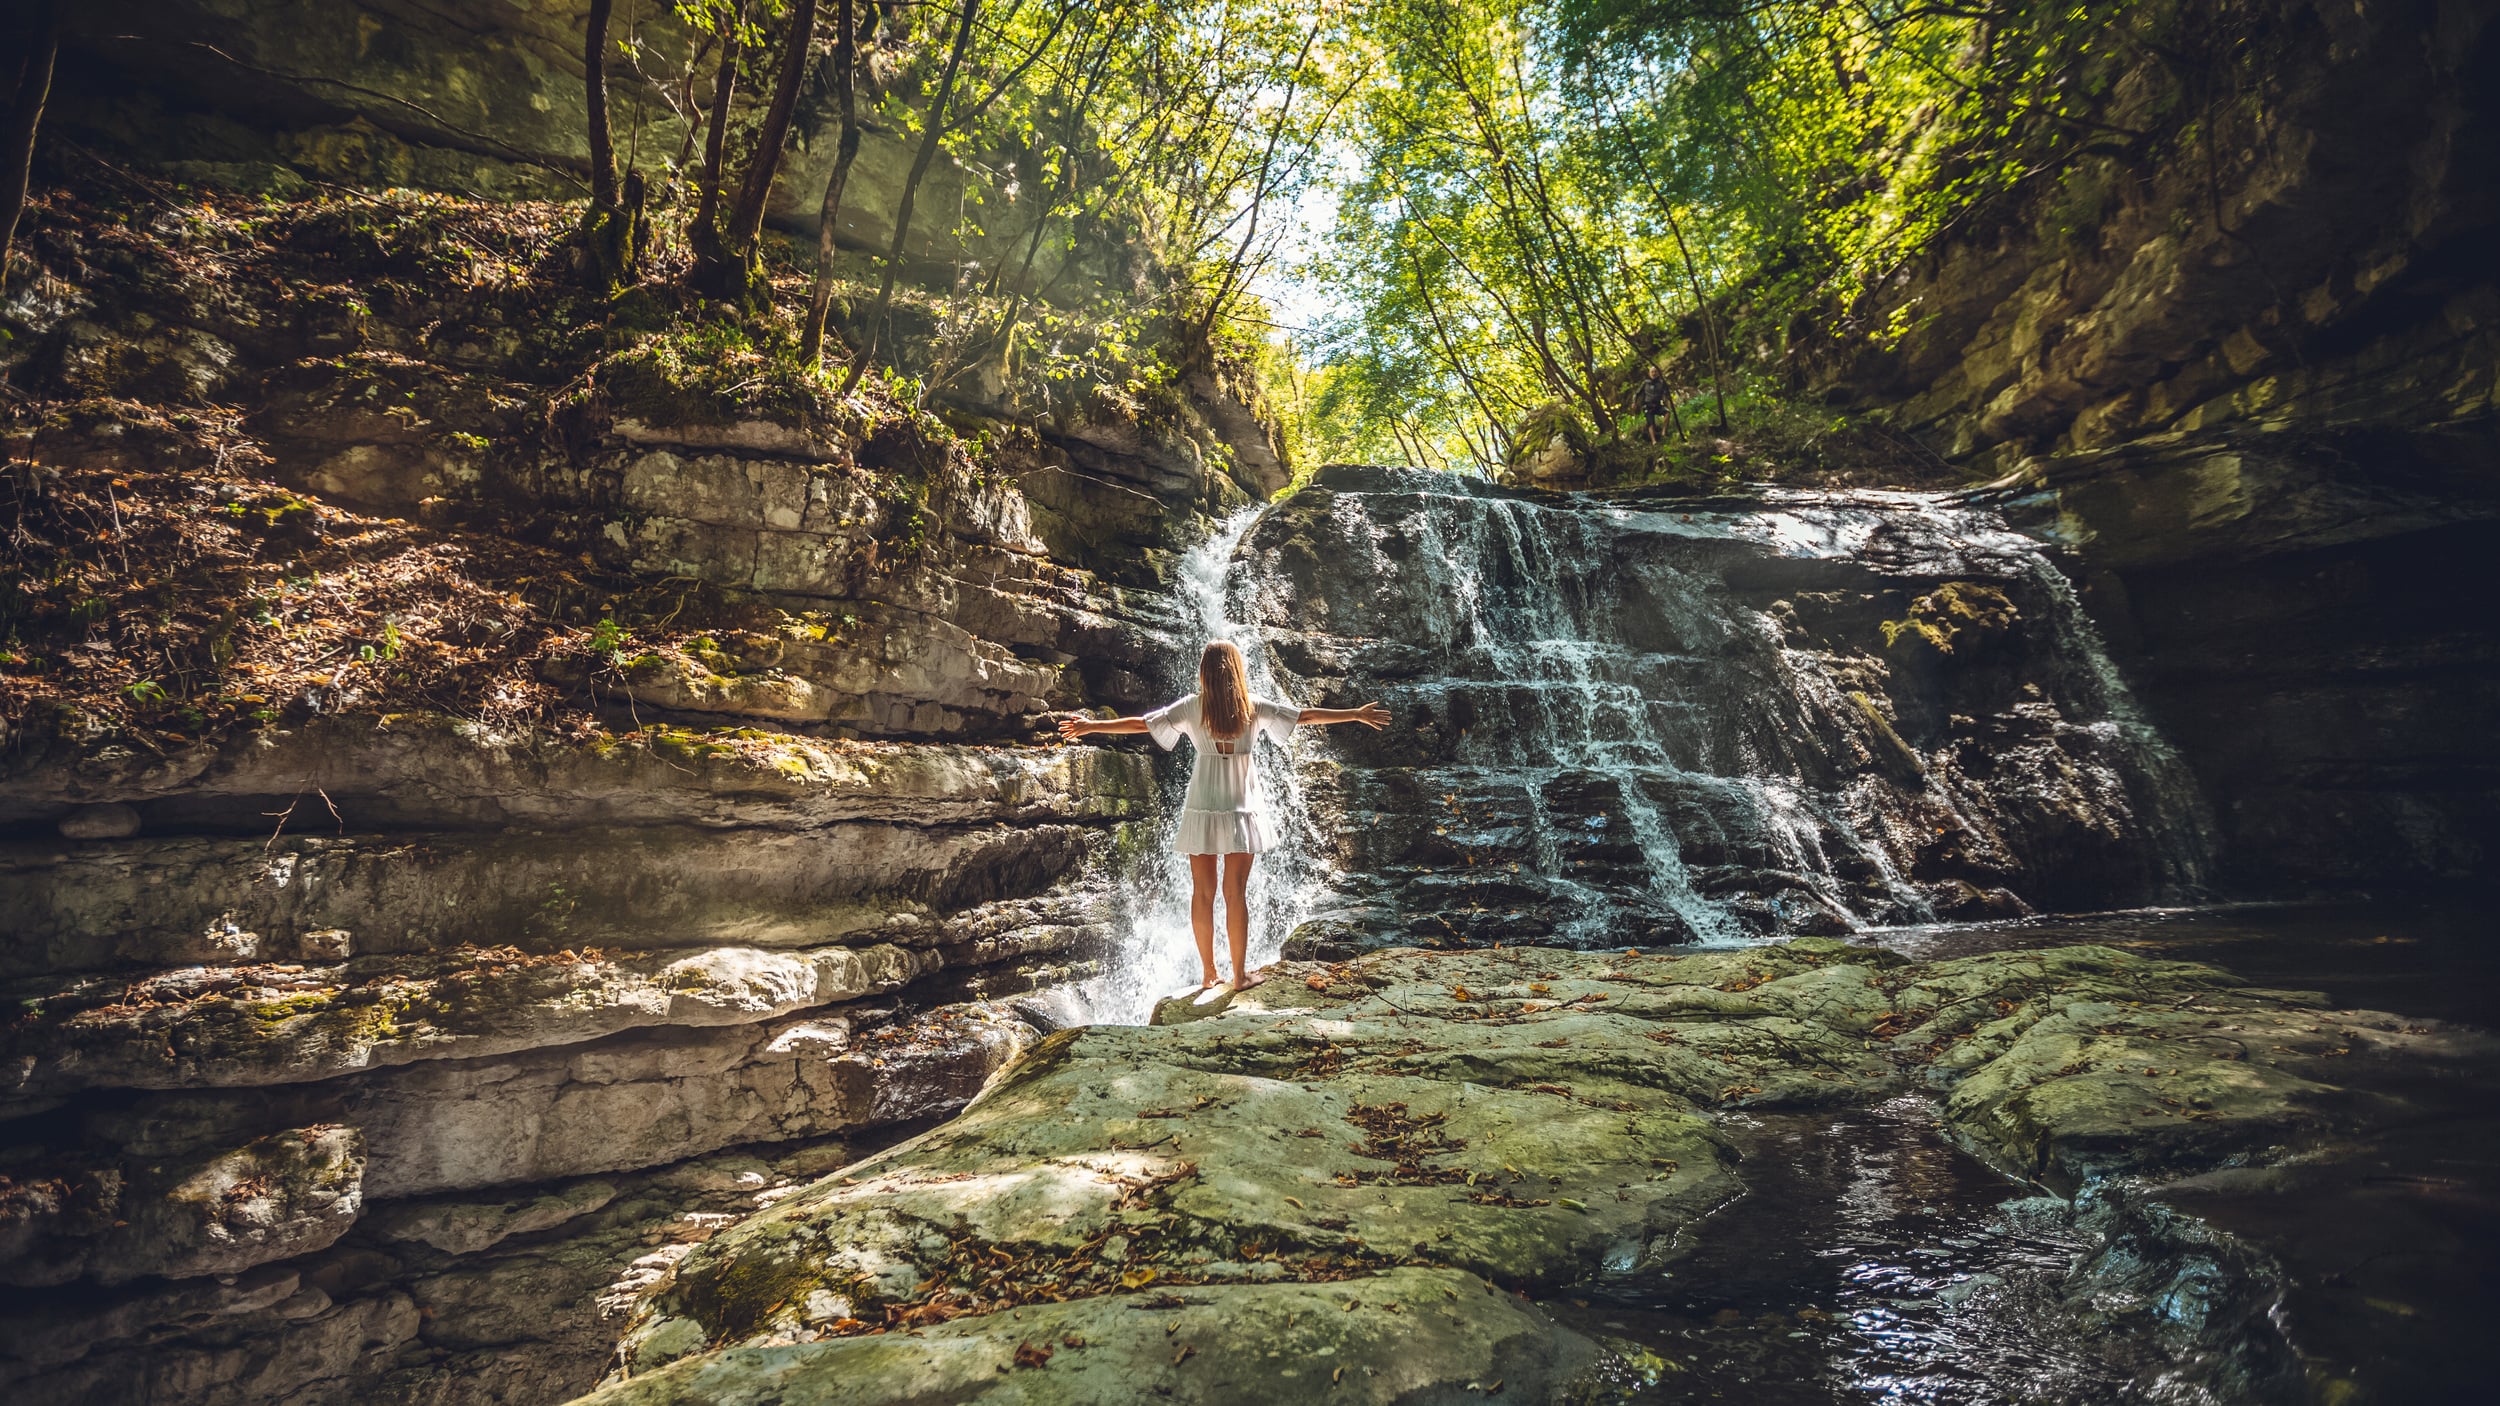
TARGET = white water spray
(1155,953)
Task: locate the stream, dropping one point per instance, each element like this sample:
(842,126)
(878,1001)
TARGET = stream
(1871,1259)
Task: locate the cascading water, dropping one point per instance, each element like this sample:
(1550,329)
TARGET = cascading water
(1156,952)
(1676,721)
(1697,721)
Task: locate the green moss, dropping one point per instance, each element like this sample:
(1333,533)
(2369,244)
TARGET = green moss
(1959,615)
(759,1279)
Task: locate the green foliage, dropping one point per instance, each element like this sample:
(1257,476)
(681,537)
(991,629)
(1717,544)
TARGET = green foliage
(1540,200)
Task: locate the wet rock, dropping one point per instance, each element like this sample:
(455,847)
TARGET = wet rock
(1537,1117)
(1404,1335)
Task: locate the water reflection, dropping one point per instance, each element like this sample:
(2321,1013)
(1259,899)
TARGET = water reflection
(1869,1261)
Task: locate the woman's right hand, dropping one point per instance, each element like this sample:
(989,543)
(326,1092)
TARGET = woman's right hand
(1371,715)
(1074,726)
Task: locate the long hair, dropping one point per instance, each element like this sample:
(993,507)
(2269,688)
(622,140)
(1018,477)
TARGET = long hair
(1224,690)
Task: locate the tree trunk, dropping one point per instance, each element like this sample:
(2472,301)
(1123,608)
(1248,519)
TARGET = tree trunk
(820,300)
(33,88)
(911,187)
(746,220)
(595,95)
(703,234)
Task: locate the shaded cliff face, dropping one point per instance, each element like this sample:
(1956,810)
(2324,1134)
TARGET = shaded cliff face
(679,828)
(1627,721)
(2240,361)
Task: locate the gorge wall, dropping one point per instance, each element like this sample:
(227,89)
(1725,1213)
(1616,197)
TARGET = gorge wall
(2237,361)
(414,959)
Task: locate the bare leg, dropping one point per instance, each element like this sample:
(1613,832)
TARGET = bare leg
(1202,914)
(1237,916)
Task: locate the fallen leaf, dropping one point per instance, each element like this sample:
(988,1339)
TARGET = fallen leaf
(1032,1355)
(1187,1351)
(1138,1278)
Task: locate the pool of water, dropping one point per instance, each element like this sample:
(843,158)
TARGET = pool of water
(2440,960)
(1869,1260)
(1872,1260)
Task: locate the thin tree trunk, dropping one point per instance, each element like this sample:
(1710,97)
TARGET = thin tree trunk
(716,136)
(1021,294)
(911,188)
(1709,324)
(33,88)
(820,298)
(746,220)
(595,94)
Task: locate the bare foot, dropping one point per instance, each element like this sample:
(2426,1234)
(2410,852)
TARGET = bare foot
(1256,978)
(1209,982)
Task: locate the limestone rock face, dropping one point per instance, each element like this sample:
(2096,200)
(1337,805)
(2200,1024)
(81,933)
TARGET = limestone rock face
(2243,368)
(778,888)
(274,1198)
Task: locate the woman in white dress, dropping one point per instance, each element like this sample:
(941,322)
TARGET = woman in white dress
(1224,820)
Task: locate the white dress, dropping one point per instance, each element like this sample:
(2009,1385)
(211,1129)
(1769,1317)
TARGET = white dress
(1223,812)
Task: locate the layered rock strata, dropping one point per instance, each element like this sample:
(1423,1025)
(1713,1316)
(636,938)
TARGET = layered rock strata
(2238,356)
(1355,1178)
(764,884)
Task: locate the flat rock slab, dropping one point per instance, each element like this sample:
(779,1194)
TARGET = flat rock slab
(1404,1336)
(1415,1124)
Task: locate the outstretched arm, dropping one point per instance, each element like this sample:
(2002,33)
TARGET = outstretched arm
(1370,715)
(1073,727)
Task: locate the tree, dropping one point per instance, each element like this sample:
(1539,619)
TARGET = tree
(34,86)
(614,230)
(727,265)
(828,214)
(941,119)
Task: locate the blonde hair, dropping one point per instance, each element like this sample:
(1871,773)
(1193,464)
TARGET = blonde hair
(1224,690)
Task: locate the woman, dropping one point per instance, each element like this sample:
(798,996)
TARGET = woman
(1224,820)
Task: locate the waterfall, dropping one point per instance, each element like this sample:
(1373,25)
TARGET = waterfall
(1699,721)
(1691,720)
(1155,953)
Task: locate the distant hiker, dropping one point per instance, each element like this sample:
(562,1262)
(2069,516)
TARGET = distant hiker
(1224,819)
(1651,399)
